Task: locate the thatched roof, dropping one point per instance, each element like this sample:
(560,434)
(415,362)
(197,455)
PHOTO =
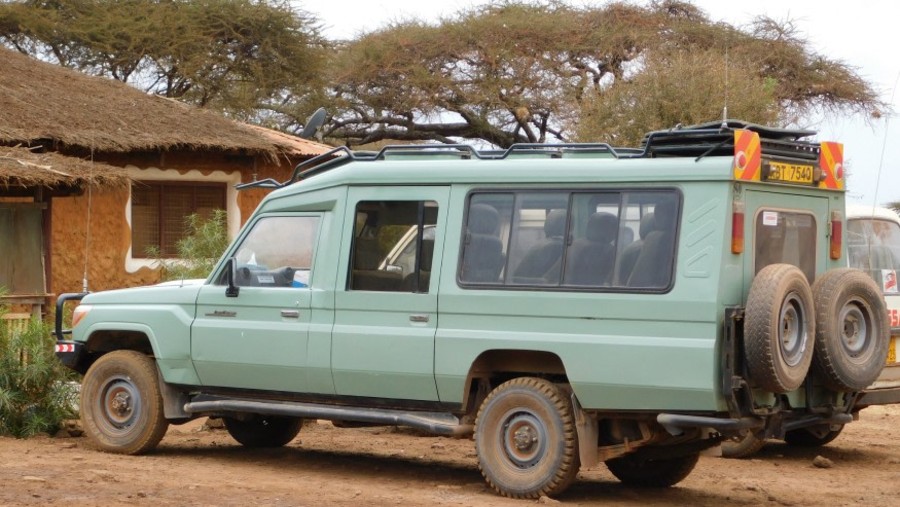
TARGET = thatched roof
(20,167)
(42,102)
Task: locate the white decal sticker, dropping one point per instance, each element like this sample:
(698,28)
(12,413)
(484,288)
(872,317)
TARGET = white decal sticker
(770,218)
(889,281)
(265,279)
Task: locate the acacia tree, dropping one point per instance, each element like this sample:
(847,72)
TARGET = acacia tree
(248,58)
(523,72)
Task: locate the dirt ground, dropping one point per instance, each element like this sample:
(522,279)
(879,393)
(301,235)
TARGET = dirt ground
(389,466)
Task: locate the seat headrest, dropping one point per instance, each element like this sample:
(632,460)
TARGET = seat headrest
(666,214)
(602,227)
(483,219)
(555,224)
(648,225)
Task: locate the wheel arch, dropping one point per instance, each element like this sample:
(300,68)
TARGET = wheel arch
(495,366)
(101,340)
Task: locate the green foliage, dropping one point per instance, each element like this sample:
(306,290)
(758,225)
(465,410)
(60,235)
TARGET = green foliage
(537,71)
(200,249)
(36,393)
(248,58)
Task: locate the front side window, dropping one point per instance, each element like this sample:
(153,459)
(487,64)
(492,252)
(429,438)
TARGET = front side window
(873,246)
(159,211)
(786,237)
(277,252)
(393,246)
(615,239)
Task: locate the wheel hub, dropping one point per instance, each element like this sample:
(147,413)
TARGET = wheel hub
(524,439)
(854,330)
(792,330)
(121,403)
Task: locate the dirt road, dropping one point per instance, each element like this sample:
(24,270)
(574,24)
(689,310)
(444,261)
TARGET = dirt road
(386,466)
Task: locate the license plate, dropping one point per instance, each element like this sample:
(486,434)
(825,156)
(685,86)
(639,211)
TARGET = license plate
(790,173)
(892,351)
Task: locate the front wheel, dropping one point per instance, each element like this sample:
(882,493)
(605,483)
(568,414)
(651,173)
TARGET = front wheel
(121,405)
(632,470)
(525,439)
(263,430)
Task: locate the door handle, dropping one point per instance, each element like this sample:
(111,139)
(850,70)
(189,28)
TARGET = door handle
(418,318)
(290,314)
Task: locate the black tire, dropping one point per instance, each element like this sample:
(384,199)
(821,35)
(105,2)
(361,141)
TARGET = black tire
(525,439)
(121,404)
(779,325)
(852,335)
(816,436)
(652,473)
(742,446)
(263,430)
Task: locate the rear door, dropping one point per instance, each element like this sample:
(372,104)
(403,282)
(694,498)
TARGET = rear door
(786,228)
(386,309)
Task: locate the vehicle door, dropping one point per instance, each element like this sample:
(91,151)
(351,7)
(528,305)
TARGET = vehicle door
(873,245)
(786,228)
(258,338)
(386,312)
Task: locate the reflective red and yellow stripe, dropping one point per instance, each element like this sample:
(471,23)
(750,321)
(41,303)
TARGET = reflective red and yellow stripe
(747,155)
(831,160)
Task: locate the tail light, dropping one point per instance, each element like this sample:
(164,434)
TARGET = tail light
(737,227)
(837,229)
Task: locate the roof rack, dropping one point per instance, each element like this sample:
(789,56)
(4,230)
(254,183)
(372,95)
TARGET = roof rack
(706,139)
(717,138)
(342,155)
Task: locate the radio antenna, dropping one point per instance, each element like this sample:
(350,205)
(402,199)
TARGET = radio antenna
(725,105)
(887,124)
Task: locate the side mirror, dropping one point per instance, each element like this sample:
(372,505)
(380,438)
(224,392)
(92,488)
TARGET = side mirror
(232,290)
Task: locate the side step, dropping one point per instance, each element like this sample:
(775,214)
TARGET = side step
(439,423)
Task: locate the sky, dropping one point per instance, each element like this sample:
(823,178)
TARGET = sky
(863,35)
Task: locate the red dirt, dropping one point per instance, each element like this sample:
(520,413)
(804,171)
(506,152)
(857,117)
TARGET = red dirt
(389,466)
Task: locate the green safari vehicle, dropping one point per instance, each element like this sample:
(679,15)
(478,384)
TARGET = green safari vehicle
(562,304)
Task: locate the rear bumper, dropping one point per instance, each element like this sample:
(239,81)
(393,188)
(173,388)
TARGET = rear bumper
(878,397)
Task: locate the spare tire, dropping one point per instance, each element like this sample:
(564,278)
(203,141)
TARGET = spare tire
(852,334)
(779,324)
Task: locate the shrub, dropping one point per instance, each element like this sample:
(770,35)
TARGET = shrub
(36,391)
(199,250)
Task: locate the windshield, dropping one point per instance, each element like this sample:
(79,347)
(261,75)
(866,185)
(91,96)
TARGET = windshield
(874,246)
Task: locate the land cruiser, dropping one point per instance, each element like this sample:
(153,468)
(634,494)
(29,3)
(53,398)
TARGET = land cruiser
(562,304)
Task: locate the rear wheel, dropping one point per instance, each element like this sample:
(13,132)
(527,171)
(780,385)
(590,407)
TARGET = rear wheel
(632,470)
(852,336)
(742,446)
(525,439)
(816,436)
(263,430)
(121,404)
(779,327)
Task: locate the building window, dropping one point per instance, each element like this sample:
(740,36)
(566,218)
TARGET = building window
(159,211)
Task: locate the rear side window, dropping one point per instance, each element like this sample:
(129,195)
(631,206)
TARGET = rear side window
(786,237)
(873,246)
(571,239)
